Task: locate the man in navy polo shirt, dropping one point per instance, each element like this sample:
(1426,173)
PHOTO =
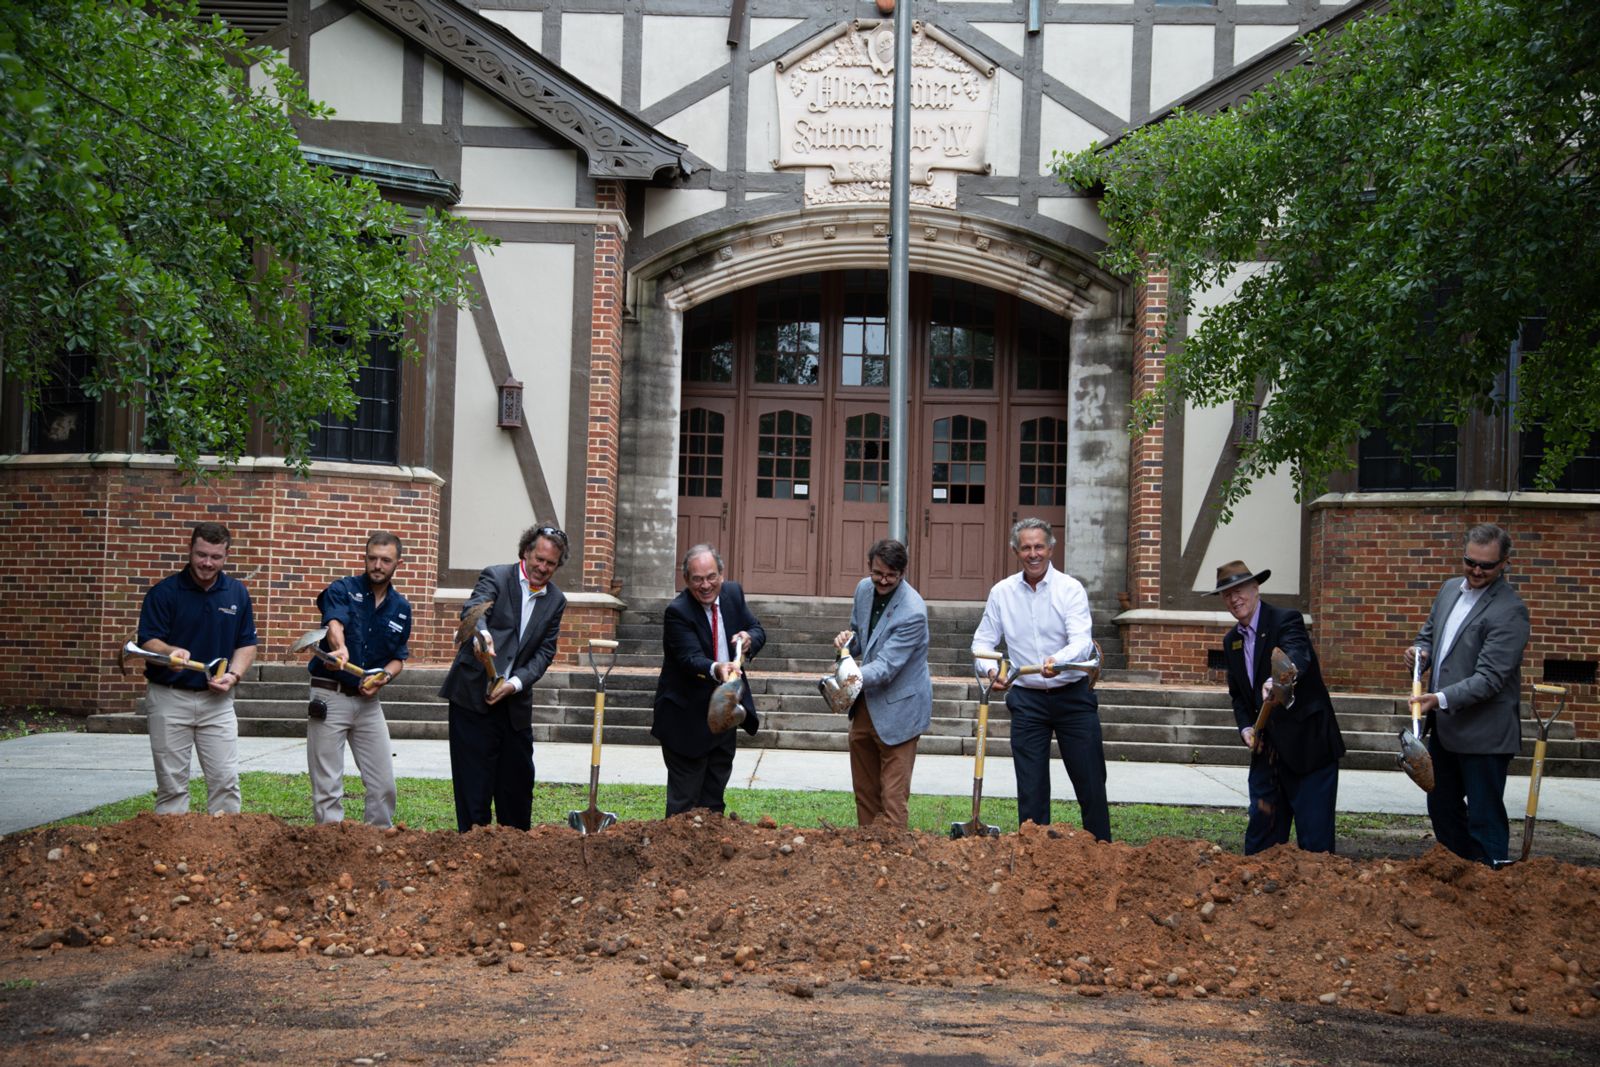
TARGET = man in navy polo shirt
(198,614)
(369,624)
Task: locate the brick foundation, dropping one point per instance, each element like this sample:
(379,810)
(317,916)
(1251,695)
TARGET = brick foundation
(85,537)
(1178,650)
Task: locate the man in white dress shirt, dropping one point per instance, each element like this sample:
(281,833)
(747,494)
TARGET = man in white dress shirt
(1042,616)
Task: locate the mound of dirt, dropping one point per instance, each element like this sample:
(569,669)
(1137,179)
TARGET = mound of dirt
(705,902)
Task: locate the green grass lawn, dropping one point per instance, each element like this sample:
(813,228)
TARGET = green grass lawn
(426,803)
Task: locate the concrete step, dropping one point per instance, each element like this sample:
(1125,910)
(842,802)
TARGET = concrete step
(1565,760)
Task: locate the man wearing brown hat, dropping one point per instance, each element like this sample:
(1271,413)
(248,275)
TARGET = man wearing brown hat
(1294,766)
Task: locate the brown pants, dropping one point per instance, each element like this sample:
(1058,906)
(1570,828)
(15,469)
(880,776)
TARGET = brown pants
(880,773)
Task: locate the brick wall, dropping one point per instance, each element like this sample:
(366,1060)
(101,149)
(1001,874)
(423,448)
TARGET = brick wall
(1375,569)
(84,540)
(1178,650)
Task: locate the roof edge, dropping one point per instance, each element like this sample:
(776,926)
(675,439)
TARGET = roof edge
(1228,89)
(617,143)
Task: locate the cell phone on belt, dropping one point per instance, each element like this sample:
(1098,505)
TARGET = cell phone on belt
(317,709)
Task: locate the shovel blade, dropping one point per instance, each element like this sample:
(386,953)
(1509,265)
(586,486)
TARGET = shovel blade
(309,640)
(591,820)
(975,828)
(1415,761)
(725,712)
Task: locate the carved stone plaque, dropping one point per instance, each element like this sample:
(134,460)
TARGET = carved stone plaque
(836,113)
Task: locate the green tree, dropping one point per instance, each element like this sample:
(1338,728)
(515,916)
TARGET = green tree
(1423,186)
(156,213)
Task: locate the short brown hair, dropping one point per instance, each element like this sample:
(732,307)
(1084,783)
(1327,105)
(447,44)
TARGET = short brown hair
(213,533)
(384,537)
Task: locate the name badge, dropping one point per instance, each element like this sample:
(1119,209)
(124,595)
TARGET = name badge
(1238,645)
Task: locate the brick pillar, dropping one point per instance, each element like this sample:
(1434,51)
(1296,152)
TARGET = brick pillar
(1146,454)
(605,379)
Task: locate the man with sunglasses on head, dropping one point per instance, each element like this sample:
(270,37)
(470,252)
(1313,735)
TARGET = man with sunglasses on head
(1471,649)
(491,732)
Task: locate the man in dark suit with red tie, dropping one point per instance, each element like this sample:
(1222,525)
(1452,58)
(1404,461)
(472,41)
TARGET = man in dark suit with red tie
(701,631)
(491,733)
(1294,768)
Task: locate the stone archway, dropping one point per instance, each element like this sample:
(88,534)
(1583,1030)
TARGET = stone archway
(1062,280)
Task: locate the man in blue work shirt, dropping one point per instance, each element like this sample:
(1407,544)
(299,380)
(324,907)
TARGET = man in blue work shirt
(198,614)
(369,625)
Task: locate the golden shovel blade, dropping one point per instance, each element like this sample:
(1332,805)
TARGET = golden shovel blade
(468,626)
(724,711)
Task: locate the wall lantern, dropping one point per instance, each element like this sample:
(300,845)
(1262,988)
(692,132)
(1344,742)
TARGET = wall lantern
(1249,423)
(510,403)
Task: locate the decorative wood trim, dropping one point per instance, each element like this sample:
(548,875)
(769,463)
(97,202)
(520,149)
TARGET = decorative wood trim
(617,144)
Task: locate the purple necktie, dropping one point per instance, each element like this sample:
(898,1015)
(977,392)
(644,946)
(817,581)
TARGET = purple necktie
(1249,653)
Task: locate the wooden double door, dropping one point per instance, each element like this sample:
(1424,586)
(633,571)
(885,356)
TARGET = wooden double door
(784,464)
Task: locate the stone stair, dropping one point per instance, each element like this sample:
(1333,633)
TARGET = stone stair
(1141,721)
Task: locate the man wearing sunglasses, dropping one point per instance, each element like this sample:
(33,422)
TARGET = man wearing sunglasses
(1471,649)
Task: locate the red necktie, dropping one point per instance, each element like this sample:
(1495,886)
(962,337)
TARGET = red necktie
(714,630)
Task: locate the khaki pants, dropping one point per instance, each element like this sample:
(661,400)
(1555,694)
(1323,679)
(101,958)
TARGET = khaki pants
(199,722)
(880,773)
(358,720)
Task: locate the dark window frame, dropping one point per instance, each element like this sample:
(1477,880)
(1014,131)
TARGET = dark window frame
(372,436)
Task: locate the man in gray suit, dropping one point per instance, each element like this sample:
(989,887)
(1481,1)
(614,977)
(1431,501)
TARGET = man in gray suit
(491,732)
(888,636)
(1471,649)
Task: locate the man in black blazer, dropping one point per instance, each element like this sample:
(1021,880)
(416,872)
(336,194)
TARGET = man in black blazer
(1294,772)
(1472,646)
(491,733)
(700,633)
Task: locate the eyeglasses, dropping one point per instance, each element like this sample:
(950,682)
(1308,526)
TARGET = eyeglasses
(1480,565)
(884,575)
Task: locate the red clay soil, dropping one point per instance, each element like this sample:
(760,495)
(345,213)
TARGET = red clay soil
(706,903)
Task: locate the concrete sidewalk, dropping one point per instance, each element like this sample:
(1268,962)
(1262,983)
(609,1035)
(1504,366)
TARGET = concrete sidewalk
(45,777)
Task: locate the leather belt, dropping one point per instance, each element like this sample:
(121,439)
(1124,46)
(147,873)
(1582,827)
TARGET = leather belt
(337,687)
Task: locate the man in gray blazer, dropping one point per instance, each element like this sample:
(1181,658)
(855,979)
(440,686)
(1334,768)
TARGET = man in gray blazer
(491,732)
(888,636)
(1471,649)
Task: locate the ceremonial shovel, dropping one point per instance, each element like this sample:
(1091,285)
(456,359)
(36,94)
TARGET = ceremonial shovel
(313,640)
(724,712)
(469,630)
(841,686)
(130,650)
(1090,667)
(977,827)
(1414,758)
(1284,675)
(592,820)
(1537,772)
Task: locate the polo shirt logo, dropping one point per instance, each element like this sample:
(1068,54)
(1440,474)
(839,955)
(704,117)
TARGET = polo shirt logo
(357,596)
(231,609)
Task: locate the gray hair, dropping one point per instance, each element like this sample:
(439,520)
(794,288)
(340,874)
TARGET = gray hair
(1031,524)
(1488,533)
(700,550)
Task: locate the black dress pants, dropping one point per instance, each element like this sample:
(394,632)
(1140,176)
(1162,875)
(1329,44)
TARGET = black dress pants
(491,763)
